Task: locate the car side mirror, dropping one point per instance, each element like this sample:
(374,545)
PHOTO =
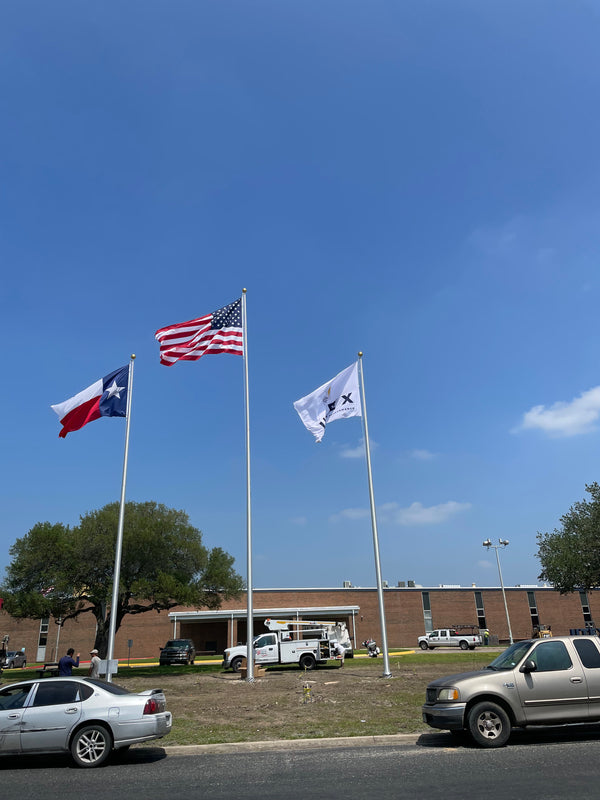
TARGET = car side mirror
(528,666)
(160,648)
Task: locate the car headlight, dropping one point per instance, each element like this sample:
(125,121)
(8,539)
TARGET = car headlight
(448,694)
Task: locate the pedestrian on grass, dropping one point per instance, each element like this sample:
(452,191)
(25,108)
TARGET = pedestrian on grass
(66,663)
(94,670)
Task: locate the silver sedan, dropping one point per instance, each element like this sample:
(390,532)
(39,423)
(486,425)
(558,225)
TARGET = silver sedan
(15,658)
(85,717)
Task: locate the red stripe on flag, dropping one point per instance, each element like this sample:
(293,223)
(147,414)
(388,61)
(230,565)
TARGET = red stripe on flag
(80,416)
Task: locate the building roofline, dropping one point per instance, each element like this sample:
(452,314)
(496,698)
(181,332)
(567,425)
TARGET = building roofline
(241,613)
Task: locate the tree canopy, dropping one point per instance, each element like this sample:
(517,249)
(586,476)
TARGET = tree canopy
(64,572)
(570,555)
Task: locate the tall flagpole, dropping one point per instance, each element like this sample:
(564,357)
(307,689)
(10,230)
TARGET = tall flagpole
(119,548)
(250,609)
(384,644)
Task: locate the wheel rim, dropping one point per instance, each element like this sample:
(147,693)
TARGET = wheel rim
(489,725)
(91,746)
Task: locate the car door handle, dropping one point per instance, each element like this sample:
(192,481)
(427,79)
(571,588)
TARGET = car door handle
(576,680)
(14,716)
(72,710)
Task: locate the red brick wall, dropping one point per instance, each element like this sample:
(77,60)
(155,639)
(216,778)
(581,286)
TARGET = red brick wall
(403,609)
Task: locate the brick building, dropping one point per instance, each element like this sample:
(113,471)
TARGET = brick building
(410,611)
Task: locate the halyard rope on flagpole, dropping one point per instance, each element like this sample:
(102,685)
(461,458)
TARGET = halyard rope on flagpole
(119,548)
(384,644)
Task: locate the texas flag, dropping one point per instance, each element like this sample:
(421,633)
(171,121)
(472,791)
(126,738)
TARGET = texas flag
(105,398)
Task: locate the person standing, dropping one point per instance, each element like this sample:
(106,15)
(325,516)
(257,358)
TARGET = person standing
(66,663)
(94,670)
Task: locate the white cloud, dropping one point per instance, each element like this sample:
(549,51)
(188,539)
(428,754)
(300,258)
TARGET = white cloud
(565,419)
(421,455)
(418,514)
(415,514)
(358,451)
(350,513)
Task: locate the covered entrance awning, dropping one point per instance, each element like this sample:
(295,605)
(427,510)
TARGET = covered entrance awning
(213,631)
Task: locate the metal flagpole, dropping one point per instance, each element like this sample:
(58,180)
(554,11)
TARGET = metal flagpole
(119,547)
(250,609)
(384,644)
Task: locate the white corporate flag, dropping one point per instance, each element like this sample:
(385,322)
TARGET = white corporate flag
(337,399)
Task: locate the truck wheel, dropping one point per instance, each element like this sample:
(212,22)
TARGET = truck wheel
(423,645)
(464,646)
(308,661)
(489,725)
(471,647)
(236,663)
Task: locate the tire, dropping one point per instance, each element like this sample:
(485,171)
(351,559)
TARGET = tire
(24,664)
(91,746)
(464,646)
(423,645)
(489,725)
(236,663)
(472,647)
(308,661)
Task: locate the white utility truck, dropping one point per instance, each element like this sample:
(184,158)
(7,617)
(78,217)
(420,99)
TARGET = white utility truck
(291,641)
(451,637)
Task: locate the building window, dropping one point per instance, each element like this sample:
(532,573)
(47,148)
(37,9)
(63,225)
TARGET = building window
(585,607)
(480,611)
(43,638)
(535,619)
(427,619)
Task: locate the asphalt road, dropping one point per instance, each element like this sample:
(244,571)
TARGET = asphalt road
(549,764)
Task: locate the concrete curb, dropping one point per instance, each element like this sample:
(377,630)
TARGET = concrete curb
(293,744)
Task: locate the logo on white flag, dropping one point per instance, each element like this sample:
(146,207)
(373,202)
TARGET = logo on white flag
(339,398)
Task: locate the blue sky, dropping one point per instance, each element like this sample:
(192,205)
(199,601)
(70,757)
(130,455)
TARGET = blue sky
(418,181)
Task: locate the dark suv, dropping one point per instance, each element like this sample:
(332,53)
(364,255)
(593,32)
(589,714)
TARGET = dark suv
(177,651)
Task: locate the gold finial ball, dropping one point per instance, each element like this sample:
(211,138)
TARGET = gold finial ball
(244,291)
(360,353)
(132,356)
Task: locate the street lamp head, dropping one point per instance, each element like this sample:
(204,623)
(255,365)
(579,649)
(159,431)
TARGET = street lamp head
(503,542)
(487,543)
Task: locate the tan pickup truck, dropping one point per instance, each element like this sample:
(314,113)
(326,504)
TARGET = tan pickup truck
(533,682)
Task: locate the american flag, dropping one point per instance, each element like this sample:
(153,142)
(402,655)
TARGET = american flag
(219,332)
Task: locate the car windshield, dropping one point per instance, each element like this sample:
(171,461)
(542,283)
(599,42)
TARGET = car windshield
(511,656)
(176,643)
(11,653)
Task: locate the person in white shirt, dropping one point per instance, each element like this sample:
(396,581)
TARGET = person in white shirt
(94,670)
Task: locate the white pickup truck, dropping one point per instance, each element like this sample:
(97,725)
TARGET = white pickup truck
(449,637)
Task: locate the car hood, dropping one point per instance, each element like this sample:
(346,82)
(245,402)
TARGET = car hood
(459,677)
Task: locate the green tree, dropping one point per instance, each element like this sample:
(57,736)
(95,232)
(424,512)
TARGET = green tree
(570,555)
(64,572)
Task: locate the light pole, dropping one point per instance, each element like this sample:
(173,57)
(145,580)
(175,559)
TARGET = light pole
(496,547)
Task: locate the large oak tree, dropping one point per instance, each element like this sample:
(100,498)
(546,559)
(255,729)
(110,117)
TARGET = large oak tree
(63,572)
(570,555)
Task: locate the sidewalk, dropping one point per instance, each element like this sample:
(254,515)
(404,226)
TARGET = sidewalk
(293,744)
